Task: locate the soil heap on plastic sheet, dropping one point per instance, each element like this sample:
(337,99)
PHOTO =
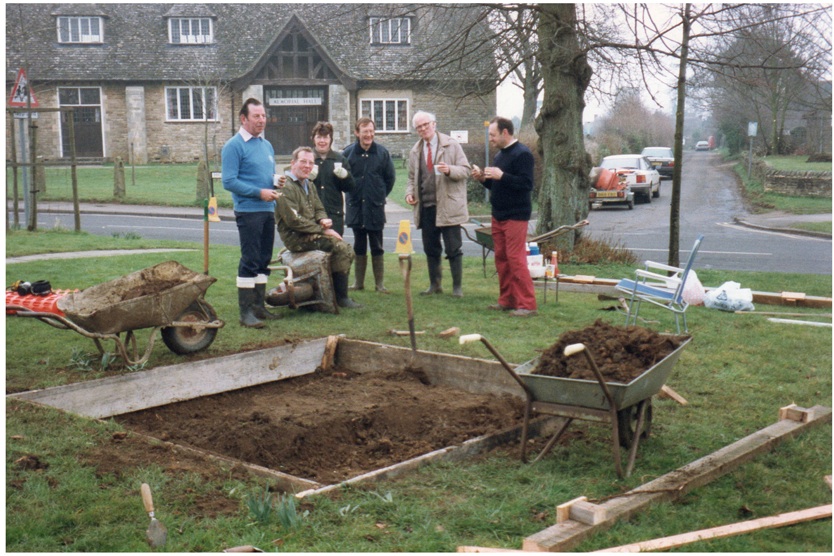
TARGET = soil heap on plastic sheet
(621,353)
(330,426)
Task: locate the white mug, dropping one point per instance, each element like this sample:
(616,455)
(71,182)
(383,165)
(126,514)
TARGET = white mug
(337,165)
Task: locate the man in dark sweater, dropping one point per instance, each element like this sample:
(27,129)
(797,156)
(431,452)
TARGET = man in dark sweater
(510,181)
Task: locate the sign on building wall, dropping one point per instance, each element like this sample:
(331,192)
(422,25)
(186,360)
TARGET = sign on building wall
(461,136)
(309,101)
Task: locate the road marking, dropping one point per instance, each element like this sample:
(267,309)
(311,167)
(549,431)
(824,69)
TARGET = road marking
(702,251)
(770,232)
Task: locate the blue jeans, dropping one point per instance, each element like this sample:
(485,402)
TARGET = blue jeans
(257,237)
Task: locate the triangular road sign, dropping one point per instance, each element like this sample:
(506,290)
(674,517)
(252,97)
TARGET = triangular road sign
(21,90)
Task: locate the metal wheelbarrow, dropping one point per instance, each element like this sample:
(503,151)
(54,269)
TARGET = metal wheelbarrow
(625,407)
(483,236)
(166,297)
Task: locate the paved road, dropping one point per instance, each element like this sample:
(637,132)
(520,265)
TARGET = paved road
(710,204)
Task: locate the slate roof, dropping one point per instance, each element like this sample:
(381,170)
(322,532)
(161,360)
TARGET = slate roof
(136,47)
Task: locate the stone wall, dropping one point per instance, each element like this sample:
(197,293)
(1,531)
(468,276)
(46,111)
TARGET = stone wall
(135,114)
(800,184)
(796,183)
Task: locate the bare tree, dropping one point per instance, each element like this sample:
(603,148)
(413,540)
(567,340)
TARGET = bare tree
(691,36)
(518,54)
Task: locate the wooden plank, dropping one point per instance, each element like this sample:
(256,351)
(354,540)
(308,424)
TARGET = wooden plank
(731,530)
(285,482)
(784,314)
(792,296)
(606,286)
(669,393)
(467,449)
(587,512)
(768,298)
(163,385)
(564,536)
(796,413)
(479,376)
(801,322)
(563,510)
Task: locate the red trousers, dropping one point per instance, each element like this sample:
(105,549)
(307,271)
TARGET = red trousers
(516,287)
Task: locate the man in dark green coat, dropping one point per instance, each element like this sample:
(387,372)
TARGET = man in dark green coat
(305,226)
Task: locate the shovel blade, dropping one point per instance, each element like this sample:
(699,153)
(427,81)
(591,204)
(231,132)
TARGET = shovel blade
(156,534)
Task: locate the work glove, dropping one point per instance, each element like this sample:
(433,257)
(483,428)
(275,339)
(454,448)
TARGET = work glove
(341,173)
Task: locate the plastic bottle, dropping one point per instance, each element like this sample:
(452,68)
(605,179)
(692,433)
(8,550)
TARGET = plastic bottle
(554,260)
(534,248)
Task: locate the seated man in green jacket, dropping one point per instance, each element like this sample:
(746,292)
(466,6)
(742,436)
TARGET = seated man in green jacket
(304,226)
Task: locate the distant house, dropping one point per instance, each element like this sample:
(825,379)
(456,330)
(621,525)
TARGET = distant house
(157,82)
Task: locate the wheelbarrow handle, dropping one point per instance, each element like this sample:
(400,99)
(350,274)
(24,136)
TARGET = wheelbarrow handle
(466,338)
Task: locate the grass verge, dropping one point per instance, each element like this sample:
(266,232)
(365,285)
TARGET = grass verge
(737,372)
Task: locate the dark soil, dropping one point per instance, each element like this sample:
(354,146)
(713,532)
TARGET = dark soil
(331,426)
(621,353)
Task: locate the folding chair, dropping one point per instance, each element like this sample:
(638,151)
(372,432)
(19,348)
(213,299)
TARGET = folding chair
(665,291)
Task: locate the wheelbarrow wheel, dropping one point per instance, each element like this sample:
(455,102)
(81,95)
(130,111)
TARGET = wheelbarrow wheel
(184,340)
(627,424)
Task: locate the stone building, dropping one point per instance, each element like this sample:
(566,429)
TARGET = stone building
(164,82)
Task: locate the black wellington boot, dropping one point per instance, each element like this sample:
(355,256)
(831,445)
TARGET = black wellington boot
(340,287)
(245,301)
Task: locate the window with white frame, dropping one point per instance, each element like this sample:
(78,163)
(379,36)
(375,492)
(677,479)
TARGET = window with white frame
(188,104)
(388,114)
(78,29)
(390,30)
(190,30)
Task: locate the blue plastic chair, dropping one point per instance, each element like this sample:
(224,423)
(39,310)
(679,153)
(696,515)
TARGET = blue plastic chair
(663,290)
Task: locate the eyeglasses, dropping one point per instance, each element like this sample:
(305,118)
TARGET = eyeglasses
(421,126)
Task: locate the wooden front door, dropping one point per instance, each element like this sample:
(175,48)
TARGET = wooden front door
(292,112)
(86,114)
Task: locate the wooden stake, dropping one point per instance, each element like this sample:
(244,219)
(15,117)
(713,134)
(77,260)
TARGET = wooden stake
(449,332)
(405,332)
(781,520)
(329,353)
(669,393)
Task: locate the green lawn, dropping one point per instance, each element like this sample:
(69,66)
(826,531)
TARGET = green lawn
(762,201)
(796,164)
(158,184)
(736,373)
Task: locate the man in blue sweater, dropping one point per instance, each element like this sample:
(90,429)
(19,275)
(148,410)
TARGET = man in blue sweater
(248,170)
(510,181)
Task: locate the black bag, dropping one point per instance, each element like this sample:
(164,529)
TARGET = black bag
(41,287)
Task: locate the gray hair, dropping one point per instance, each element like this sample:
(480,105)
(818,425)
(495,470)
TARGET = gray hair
(422,113)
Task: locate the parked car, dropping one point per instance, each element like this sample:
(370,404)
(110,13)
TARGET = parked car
(636,171)
(702,146)
(662,158)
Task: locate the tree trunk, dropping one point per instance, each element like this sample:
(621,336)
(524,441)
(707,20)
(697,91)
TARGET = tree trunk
(563,195)
(531,92)
(675,208)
